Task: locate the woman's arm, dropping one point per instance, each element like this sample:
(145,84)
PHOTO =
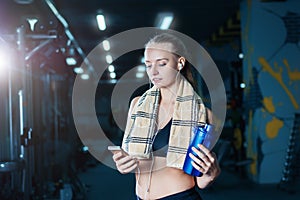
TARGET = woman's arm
(126,163)
(208,163)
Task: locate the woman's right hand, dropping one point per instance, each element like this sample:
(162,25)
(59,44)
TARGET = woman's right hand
(125,163)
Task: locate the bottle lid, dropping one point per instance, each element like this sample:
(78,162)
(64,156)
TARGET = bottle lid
(208,128)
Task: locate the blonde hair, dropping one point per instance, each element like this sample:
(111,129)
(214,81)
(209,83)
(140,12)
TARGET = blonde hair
(178,49)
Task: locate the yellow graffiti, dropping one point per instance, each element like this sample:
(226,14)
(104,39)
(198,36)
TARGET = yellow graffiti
(268,104)
(293,75)
(273,127)
(250,146)
(277,75)
(253,165)
(250,151)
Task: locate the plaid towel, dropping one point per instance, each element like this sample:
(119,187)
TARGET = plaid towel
(189,111)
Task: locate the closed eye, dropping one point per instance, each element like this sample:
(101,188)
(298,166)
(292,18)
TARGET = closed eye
(162,64)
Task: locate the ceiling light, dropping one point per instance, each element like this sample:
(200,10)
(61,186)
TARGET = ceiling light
(106,45)
(84,76)
(164,20)
(241,55)
(112,75)
(141,68)
(71,51)
(101,22)
(69,42)
(24,1)
(242,85)
(71,61)
(32,22)
(78,70)
(111,68)
(139,75)
(85,148)
(108,59)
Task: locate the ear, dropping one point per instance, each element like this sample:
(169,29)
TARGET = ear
(181,62)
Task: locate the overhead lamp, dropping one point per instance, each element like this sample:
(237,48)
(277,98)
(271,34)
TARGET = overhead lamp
(24,1)
(85,148)
(241,55)
(84,76)
(141,68)
(78,70)
(164,20)
(69,42)
(112,75)
(106,45)
(139,75)
(101,22)
(111,68)
(71,61)
(242,85)
(109,59)
(32,22)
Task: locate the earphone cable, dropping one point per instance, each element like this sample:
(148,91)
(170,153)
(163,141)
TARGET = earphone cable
(152,156)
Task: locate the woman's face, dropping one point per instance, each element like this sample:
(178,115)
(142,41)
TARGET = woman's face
(161,64)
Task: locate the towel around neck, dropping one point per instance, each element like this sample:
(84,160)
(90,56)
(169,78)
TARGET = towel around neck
(140,131)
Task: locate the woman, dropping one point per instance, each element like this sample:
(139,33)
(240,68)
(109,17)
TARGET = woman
(159,127)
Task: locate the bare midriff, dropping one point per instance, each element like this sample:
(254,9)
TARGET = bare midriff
(162,181)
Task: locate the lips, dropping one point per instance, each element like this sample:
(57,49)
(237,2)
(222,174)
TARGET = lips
(155,80)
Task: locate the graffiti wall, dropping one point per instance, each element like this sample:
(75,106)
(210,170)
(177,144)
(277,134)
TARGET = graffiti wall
(271,70)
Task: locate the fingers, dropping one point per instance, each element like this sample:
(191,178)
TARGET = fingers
(124,164)
(197,163)
(205,161)
(118,156)
(127,167)
(204,154)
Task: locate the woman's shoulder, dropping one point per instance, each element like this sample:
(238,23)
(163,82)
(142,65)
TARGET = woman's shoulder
(133,103)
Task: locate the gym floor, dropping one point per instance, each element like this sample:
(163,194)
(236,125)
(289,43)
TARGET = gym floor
(105,183)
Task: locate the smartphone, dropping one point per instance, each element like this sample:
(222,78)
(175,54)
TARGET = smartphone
(116,149)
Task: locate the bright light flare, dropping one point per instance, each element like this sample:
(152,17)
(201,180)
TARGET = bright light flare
(32,22)
(109,59)
(164,20)
(101,22)
(112,75)
(242,85)
(111,68)
(4,59)
(78,70)
(84,76)
(106,45)
(71,61)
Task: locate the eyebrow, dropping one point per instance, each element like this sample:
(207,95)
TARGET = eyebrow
(157,60)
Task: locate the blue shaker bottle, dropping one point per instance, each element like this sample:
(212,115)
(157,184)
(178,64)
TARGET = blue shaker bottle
(200,133)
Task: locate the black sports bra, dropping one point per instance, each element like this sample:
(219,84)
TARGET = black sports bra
(161,141)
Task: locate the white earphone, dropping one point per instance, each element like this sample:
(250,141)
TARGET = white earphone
(180,66)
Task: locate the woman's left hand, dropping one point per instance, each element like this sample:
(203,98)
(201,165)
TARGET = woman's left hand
(207,163)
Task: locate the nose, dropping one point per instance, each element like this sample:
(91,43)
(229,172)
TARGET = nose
(153,70)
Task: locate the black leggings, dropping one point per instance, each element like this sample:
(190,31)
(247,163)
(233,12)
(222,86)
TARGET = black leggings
(190,194)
